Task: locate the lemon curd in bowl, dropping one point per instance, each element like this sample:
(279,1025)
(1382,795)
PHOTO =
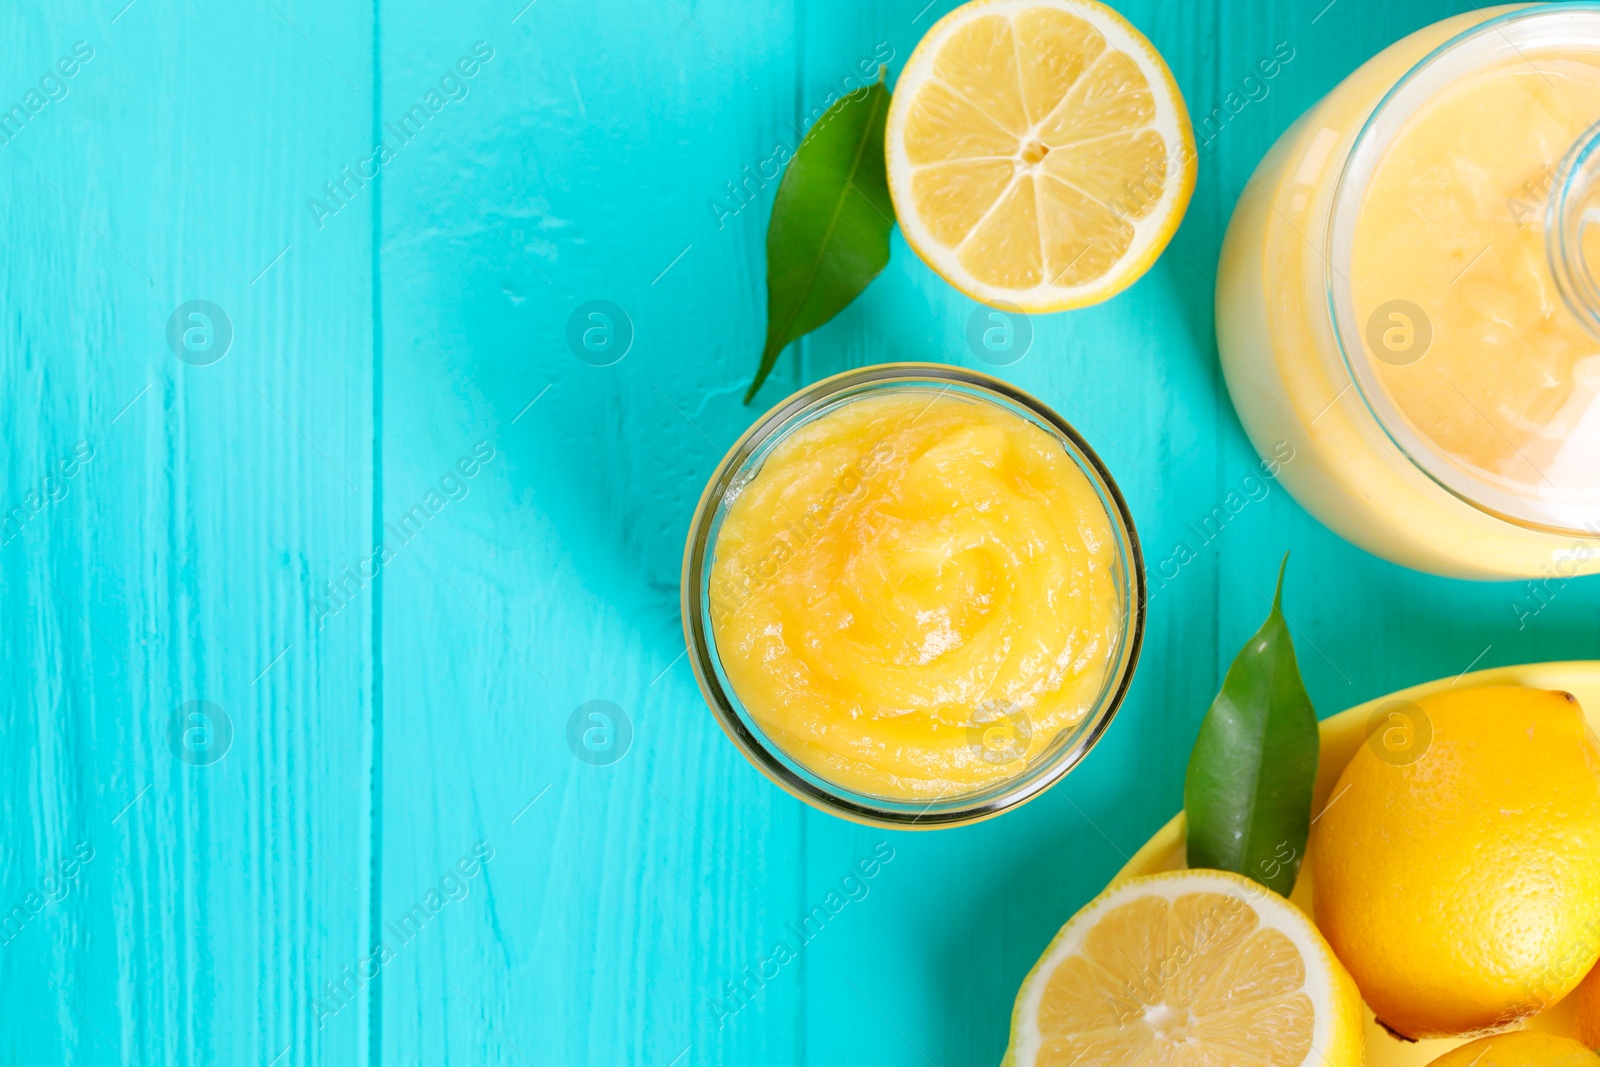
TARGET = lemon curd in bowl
(913,595)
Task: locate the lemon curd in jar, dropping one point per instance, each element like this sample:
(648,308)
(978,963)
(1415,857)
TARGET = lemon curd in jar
(916,593)
(1509,391)
(1402,298)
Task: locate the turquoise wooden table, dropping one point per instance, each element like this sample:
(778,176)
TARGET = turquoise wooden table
(324,532)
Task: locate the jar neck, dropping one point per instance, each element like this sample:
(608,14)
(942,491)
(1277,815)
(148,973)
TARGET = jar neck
(1572,230)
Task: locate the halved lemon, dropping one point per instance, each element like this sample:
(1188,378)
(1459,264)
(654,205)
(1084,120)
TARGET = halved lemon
(1039,153)
(1187,969)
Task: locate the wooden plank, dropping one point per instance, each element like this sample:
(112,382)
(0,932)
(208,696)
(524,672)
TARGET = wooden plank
(580,166)
(176,564)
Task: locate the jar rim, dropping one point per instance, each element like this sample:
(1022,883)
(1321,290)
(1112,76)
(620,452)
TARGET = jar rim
(1477,47)
(1068,749)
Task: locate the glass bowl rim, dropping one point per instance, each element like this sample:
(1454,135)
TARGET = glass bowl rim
(838,800)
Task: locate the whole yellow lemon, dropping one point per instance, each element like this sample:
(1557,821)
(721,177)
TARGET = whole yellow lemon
(1523,1049)
(1456,866)
(1587,997)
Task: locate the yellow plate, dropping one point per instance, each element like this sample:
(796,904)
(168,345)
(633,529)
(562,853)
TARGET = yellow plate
(1341,736)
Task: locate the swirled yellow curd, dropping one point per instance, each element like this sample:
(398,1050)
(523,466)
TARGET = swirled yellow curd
(1496,373)
(915,594)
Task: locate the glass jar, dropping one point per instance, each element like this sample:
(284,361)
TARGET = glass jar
(1406,296)
(1020,774)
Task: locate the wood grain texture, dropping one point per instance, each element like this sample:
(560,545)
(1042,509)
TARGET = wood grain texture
(402,774)
(176,565)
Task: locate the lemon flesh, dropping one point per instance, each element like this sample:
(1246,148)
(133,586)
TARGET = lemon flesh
(1187,969)
(1039,152)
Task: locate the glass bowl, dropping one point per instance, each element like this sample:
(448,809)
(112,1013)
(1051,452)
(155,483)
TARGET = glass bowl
(741,464)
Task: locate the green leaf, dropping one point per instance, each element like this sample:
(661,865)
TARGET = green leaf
(1248,792)
(829,234)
